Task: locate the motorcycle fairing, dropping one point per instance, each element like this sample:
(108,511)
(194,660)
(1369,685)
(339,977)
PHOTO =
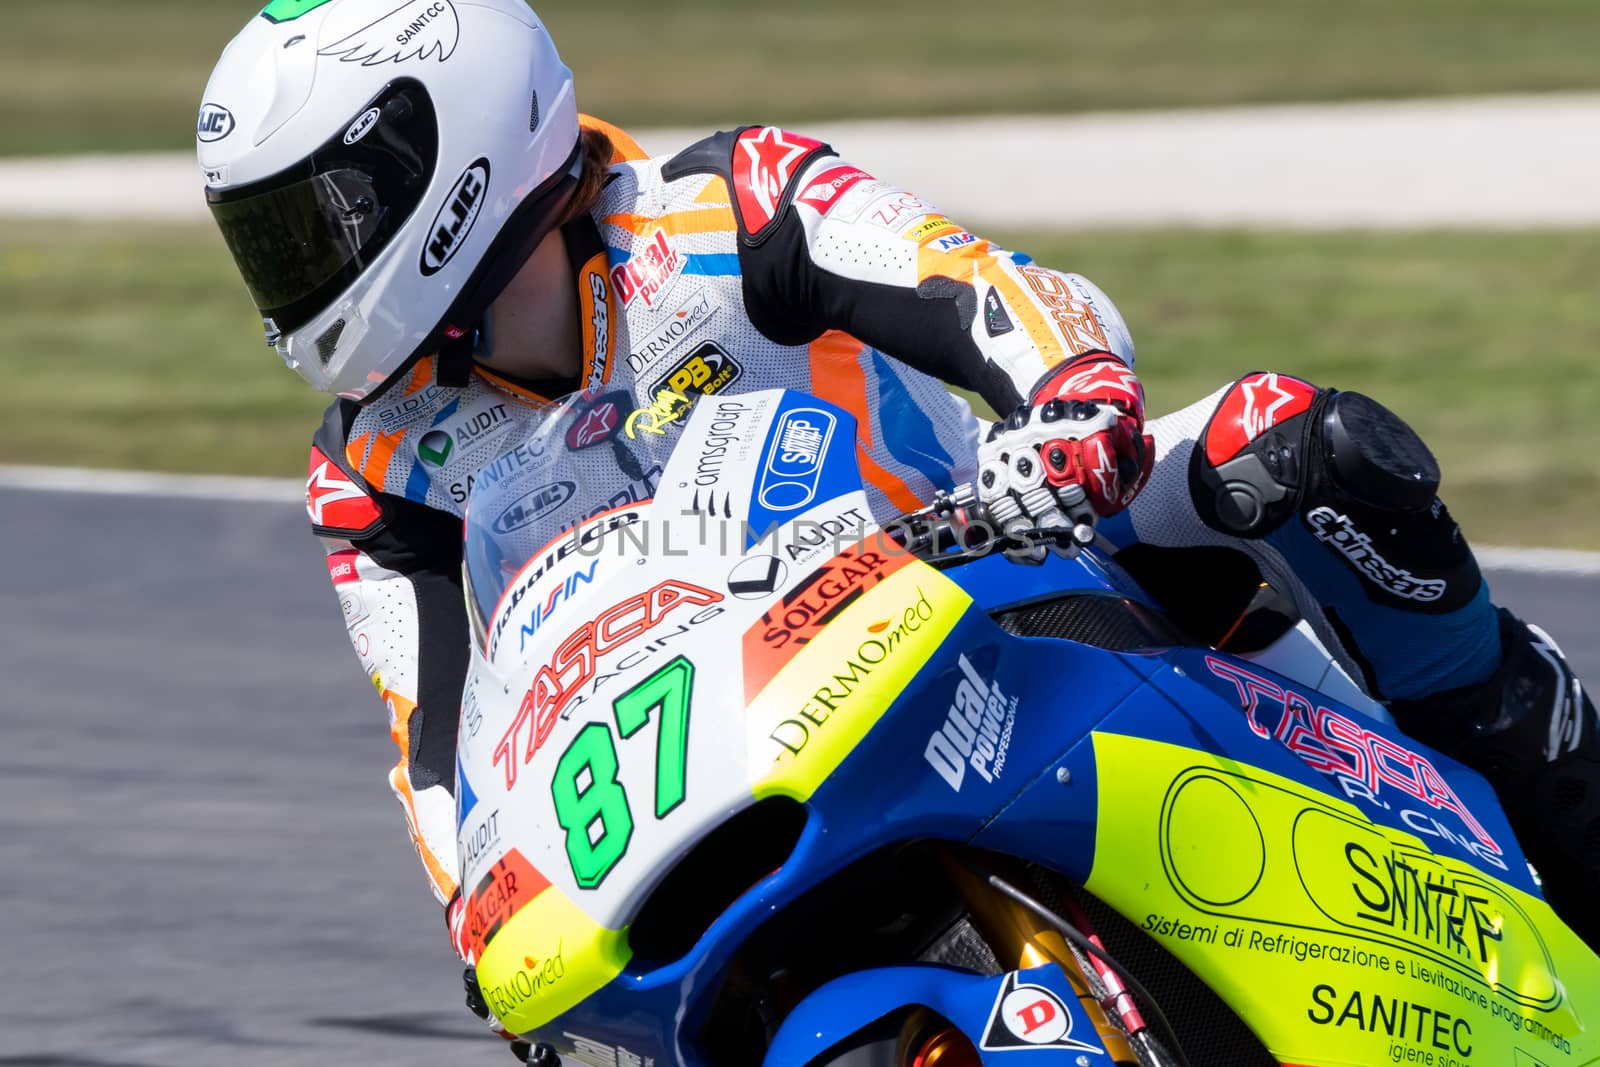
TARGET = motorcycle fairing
(1341,934)
(1019,1018)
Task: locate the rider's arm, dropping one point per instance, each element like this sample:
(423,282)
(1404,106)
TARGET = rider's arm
(395,566)
(825,246)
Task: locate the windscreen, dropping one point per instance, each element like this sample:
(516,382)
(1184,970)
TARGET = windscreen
(578,475)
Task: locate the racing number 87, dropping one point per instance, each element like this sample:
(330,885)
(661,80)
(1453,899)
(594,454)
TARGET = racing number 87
(585,788)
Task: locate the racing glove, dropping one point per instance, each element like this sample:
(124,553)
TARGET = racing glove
(1075,451)
(455,917)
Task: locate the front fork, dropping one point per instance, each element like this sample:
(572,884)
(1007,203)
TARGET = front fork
(1021,940)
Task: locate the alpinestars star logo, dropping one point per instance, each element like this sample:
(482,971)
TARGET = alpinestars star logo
(333,500)
(765,161)
(1264,397)
(1110,379)
(1104,471)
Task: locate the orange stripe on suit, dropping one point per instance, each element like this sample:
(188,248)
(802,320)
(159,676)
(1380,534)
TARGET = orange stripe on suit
(837,377)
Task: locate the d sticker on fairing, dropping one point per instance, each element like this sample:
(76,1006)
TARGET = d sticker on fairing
(1028,1016)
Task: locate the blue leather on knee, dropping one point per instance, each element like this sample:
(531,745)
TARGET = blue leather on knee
(1406,654)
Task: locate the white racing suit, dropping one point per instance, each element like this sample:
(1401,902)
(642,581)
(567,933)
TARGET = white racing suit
(753,259)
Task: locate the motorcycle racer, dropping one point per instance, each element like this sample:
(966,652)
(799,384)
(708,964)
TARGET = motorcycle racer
(433,232)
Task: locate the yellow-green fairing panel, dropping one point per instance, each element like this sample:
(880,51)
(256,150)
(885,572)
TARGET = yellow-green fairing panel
(1341,942)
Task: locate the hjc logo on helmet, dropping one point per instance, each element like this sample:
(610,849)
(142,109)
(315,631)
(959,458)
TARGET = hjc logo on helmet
(215,123)
(455,219)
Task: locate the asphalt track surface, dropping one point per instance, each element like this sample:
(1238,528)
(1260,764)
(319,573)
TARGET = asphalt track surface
(200,861)
(1363,164)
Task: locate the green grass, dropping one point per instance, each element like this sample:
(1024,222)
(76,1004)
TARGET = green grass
(136,347)
(107,74)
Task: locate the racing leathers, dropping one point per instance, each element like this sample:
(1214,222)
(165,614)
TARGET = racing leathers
(753,259)
(758,258)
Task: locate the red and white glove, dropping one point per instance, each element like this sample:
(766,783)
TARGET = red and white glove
(1083,426)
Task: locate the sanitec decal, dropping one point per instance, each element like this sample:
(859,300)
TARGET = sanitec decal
(976,732)
(705,371)
(454,221)
(361,126)
(1029,1016)
(532,506)
(825,189)
(574,664)
(420,29)
(764,160)
(648,272)
(793,464)
(215,123)
(335,502)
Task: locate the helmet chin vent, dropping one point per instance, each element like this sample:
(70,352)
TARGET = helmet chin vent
(329,341)
(533,114)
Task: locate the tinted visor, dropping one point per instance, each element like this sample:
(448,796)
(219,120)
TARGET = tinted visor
(304,235)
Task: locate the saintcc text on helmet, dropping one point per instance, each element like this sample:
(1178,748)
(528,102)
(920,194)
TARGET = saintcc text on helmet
(380,169)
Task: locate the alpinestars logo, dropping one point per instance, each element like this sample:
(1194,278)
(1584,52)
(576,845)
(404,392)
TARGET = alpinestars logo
(1028,1016)
(1264,398)
(766,160)
(1338,532)
(600,323)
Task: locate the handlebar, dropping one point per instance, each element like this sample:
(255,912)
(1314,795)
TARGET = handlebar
(956,526)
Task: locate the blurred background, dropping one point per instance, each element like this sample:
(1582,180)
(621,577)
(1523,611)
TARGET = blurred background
(199,862)
(133,345)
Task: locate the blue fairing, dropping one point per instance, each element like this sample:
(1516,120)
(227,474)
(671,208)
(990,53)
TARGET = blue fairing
(1052,1020)
(1036,799)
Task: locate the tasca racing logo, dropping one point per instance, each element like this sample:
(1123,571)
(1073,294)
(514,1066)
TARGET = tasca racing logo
(575,663)
(1367,765)
(976,731)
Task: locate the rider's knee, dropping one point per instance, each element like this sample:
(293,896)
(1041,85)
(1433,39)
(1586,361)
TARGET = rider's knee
(1277,445)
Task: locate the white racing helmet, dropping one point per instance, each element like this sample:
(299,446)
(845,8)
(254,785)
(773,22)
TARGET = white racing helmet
(380,169)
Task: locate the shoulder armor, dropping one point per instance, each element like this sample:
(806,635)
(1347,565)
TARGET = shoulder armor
(339,501)
(760,165)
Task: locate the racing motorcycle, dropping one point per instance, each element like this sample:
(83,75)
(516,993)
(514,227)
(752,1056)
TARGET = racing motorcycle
(745,779)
